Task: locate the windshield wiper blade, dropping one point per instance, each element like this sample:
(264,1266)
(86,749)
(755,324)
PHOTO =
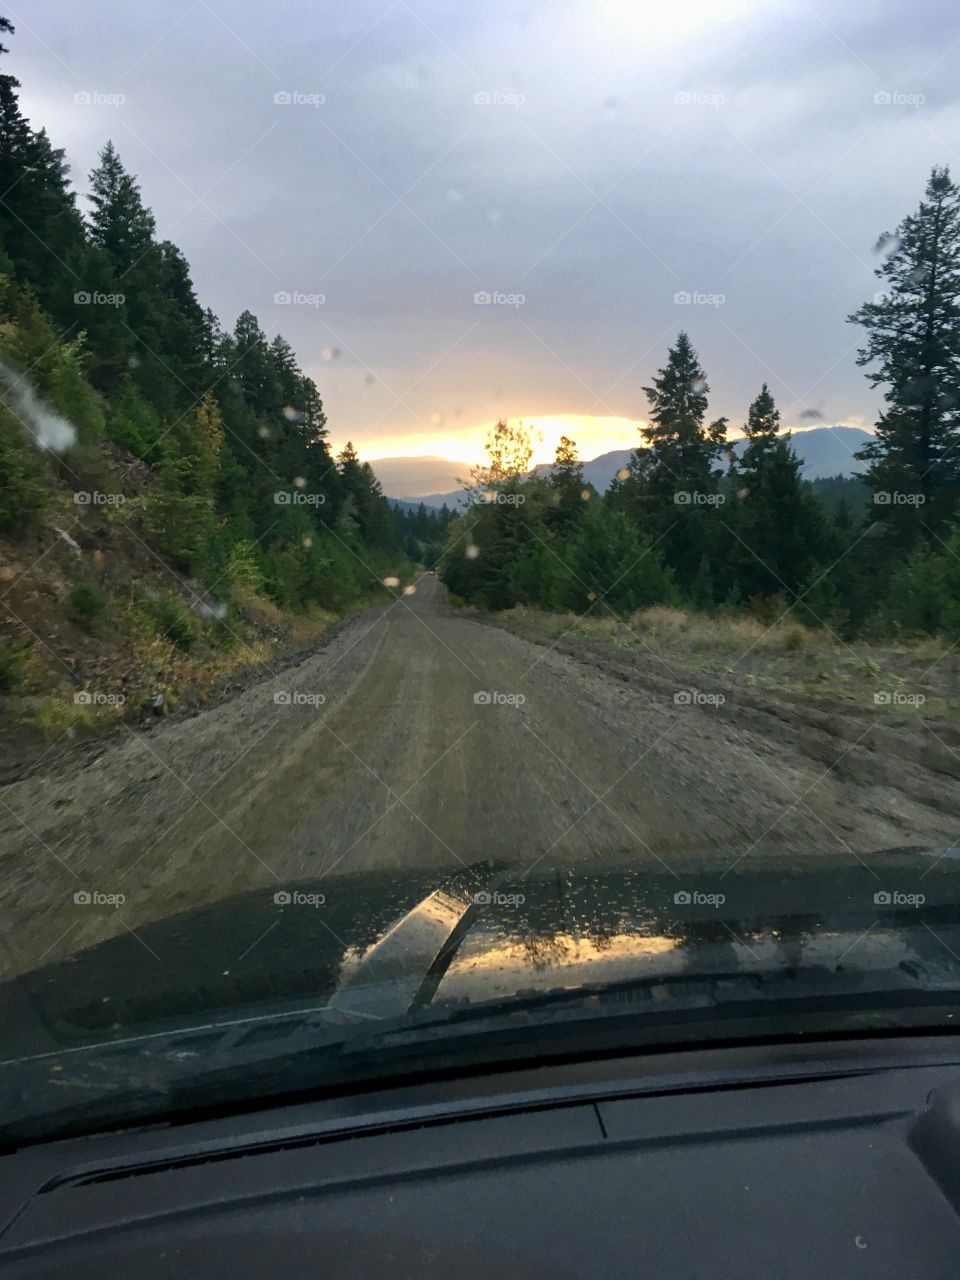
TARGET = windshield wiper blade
(655,1006)
(645,1014)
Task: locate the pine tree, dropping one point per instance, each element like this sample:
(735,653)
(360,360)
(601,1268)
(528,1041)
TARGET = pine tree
(120,223)
(781,529)
(679,443)
(42,241)
(761,432)
(913,340)
(182,327)
(672,482)
(130,337)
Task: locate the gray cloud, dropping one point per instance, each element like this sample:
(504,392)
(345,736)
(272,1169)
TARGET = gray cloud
(585,184)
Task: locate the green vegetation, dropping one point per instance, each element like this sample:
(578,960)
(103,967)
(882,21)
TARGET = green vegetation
(103,343)
(85,604)
(13,658)
(421,532)
(688,523)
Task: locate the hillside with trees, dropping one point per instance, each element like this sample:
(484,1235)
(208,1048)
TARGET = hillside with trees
(166,483)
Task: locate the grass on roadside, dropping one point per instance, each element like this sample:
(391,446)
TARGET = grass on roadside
(901,681)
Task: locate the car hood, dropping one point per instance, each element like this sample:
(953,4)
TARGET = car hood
(328,982)
(376,946)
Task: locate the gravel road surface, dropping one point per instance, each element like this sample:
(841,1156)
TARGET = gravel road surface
(417,737)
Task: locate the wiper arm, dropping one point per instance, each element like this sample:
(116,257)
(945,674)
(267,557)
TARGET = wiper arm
(655,1006)
(640,1014)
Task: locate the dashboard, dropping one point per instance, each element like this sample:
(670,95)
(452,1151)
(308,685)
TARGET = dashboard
(827,1159)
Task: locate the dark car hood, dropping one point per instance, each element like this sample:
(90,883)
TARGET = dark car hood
(344,977)
(378,945)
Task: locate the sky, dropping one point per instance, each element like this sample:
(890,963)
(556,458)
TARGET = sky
(460,212)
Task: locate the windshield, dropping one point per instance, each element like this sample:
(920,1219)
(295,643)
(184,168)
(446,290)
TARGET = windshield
(479,544)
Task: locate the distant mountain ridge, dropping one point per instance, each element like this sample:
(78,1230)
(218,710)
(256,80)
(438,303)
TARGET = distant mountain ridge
(824,451)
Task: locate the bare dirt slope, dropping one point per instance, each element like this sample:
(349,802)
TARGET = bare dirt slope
(377,752)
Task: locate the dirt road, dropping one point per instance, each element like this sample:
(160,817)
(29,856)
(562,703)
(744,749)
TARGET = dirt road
(418,737)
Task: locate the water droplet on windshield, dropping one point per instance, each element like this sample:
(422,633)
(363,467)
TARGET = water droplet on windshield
(331,353)
(391,582)
(698,386)
(454,196)
(472,552)
(888,244)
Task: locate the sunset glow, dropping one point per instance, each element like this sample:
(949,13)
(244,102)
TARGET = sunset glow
(593,435)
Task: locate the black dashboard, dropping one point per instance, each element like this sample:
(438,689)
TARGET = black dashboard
(815,1160)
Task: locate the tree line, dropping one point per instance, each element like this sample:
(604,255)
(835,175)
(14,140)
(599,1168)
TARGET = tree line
(421,531)
(690,522)
(100,323)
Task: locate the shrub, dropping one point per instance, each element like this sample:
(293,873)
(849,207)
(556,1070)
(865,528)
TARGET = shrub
(13,656)
(23,493)
(85,604)
(173,619)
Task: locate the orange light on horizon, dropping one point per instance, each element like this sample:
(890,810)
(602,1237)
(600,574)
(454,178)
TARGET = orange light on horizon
(593,436)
